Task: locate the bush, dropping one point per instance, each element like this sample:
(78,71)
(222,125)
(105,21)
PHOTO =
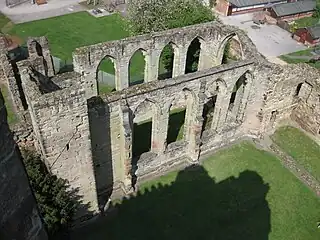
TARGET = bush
(55,201)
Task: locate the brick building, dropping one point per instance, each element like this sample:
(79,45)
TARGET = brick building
(309,36)
(232,7)
(293,10)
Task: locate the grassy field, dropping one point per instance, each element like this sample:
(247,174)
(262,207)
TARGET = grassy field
(306,52)
(239,193)
(290,58)
(66,33)
(299,146)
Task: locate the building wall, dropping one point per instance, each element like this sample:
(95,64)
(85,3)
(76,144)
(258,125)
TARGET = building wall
(19,217)
(303,35)
(222,7)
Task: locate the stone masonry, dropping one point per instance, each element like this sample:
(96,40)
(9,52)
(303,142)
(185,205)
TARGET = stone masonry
(19,217)
(87,138)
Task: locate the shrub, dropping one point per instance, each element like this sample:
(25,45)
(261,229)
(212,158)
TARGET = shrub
(55,201)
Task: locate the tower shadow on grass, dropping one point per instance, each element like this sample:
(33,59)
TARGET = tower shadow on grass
(192,207)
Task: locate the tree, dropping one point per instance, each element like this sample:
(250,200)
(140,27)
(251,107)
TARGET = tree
(147,16)
(55,201)
(316,13)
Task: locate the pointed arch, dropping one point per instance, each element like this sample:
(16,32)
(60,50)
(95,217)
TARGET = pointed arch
(215,93)
(193,55)
(106,75)
(145,115)
(230,49)
(137,67)
(239,98)
(167,59)
(146,104)
(180,115)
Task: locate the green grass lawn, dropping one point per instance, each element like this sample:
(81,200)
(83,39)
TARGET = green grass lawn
(295,61)
(239,193)
(12,118)
(306,22)
(3,21)
(66,33)
(306,52)
(299,146)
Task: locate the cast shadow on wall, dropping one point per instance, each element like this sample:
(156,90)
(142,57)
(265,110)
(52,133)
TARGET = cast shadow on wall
(194,206)
(99,124)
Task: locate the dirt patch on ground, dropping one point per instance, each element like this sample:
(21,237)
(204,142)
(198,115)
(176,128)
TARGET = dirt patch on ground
(16,39)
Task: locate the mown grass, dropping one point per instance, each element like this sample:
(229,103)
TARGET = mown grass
(300,147)
(68,32)
(239,193)
(305,52)
(295,61)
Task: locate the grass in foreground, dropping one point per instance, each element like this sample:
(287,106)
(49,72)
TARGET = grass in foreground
(299,146)
(239,193)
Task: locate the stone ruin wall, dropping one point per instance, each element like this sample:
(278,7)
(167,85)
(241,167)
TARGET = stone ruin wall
(87,139)
(64,123)
(293,93)
(19,218)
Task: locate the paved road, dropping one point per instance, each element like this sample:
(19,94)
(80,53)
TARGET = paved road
(270,40)
(27,12)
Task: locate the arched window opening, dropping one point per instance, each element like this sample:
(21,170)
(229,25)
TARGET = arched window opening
(106,76)
(176,125)
(143,117)
(232,51)
(137,68)
(193,55)
(236,99)
(166,62)
(142,133)
(208,111)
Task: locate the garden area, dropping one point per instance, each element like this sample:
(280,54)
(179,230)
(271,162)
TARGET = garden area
(238,193)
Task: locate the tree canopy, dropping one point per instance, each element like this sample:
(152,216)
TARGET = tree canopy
(55,201)
(145,16)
